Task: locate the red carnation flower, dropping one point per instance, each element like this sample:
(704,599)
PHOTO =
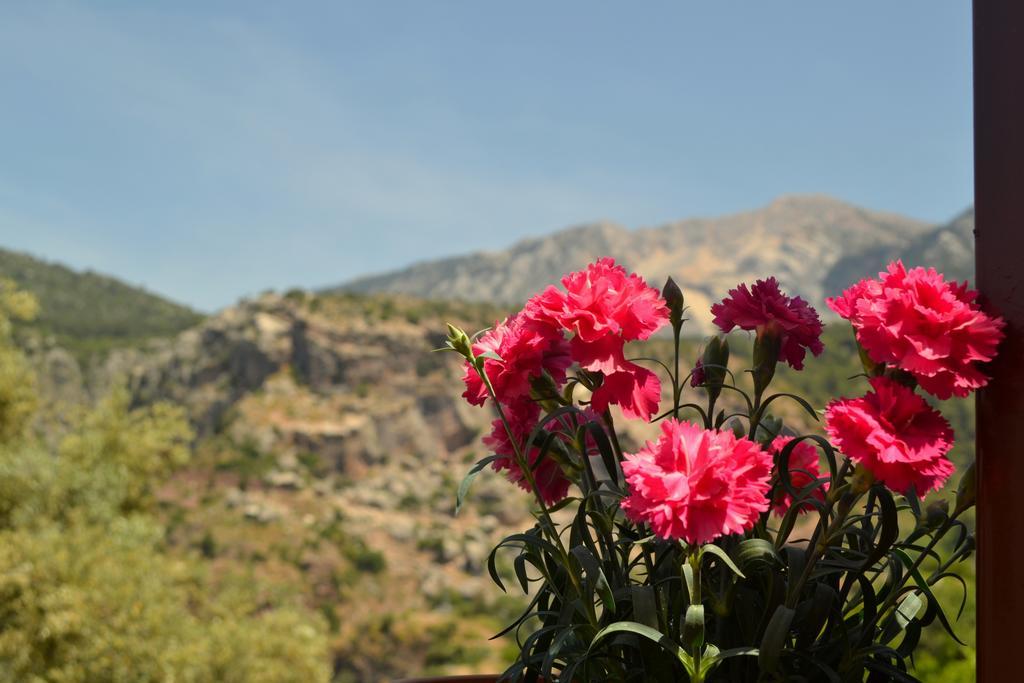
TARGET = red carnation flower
(604,307)
(764,305)
(922,324)
(548,474)
(697,484)
(804,468)
(525,347)
(895,434)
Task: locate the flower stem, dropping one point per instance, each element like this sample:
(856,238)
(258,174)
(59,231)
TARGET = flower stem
(524,466)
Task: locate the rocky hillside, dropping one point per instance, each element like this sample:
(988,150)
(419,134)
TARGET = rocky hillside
(809,242)
(330,445)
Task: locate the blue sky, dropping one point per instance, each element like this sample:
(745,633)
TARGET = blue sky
(212,150)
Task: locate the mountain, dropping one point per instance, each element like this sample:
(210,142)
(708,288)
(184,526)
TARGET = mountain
(948,248)
(86,311)
(814,244)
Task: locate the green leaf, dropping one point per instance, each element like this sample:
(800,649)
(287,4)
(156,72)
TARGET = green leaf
(890,527)
(818,609)
(649,633)
(645,606)
(775,637)
(724,557)
(713,658)
(804,404)
(755,553)
(926,589)
(468,479)
(688,577)
(595,576)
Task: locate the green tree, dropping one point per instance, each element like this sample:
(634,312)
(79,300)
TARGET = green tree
(88,588)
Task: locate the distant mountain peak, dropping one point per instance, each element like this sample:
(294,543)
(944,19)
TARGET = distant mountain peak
(800,238)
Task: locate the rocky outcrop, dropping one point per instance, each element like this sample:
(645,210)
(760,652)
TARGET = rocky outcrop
(275,372)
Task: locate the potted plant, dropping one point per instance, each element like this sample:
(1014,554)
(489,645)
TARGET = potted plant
(731,546)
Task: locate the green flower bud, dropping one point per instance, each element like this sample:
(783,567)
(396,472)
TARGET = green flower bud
(459,342)
(767,346)
(767,429)
(967,491)
(715,364)
(673,297)
(935,515)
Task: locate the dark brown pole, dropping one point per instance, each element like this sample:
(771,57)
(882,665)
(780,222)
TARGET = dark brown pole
(999,211)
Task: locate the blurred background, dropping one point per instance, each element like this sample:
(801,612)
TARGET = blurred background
(230,235)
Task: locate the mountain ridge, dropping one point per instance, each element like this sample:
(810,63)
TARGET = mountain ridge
(800,239)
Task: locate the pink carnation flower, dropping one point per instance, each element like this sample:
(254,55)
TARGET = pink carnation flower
(523,417)
(765,305)
(804,468)
(697,484)
(525,348)
(604,307)
(602,301)
(895,434)
(922,324)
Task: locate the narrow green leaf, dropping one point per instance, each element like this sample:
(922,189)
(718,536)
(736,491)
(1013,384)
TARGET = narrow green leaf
(804,404)
(468,479)
(775,637)
(724,557)
(595,577)
(755,553)
(646,632)
(713,658)
(926,589)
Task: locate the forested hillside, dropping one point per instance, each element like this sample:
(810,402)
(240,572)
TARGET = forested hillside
(86,311)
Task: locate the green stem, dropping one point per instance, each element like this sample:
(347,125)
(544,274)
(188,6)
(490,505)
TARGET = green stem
(677,387)
(613,437)
(695,599)
(755,416)
(527,471)
(818,544)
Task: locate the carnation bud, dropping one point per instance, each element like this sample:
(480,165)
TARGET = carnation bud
(715,364)
(935,515)
(966,492)
(459,342)
(673,297)
(737,428)
(693,627)
(767,346)
(767,429)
